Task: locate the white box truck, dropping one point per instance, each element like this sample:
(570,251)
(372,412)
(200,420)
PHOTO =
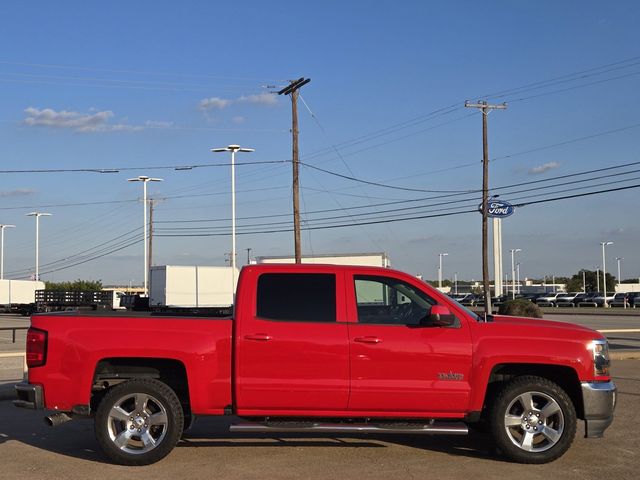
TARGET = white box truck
(18,295)
(360,259)
(173,286)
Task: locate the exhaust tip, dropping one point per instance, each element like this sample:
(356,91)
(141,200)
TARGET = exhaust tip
(56,419)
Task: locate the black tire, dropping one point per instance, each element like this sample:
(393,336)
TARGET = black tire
(539,434)
(138,422)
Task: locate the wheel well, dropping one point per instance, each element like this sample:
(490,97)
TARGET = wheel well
(112,371)
(565,377)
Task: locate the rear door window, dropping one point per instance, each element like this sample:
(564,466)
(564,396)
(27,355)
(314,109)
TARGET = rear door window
(297,297)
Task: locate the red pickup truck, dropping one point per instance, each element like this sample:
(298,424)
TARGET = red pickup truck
(322,348)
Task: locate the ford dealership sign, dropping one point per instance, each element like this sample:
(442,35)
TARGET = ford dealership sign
(498,209)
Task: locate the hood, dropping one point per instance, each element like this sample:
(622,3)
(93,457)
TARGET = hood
(578,330)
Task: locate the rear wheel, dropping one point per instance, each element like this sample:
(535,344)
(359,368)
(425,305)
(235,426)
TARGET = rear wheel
(533,420)
(139,422)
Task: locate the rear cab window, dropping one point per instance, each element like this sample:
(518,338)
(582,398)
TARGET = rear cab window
(297,297)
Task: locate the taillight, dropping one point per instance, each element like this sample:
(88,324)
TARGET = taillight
(36,347)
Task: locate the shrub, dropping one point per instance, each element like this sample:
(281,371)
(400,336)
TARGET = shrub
(520,308)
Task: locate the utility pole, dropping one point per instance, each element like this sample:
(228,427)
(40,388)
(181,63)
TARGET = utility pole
(248,255)
(292,91)
(485,108)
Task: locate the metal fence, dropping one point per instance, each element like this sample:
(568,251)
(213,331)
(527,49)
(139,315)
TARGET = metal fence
(13,331)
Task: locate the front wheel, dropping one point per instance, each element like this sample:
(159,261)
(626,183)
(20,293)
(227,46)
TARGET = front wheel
(138,422)
(533,420)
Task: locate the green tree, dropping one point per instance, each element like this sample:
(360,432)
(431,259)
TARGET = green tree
(76,286)
(591,280)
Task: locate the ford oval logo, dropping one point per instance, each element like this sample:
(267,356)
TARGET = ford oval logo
(498,209)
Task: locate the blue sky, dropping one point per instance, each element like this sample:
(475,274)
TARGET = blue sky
(143,84)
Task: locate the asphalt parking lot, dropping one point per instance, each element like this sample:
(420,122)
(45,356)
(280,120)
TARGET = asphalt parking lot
(31,450)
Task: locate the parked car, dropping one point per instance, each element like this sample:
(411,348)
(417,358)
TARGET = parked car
(461,297)
(600,299)
(566,299)
(470,300)
(622,300)
(549,299)
(532,297)
(588,299)
(499,300)
(634,299)
(321,348)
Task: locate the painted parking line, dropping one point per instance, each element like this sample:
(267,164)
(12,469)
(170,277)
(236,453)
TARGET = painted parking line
(12,354)
(621,330)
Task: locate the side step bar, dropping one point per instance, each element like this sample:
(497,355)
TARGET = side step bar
(446,428)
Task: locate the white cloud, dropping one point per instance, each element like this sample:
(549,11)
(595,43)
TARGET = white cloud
(543,168)
(79,122)
(260,99)
(214,103)
(19,192)
(158,124)
(217,103)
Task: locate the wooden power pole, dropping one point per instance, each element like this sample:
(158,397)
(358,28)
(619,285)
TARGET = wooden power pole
(292,91)
(485,108)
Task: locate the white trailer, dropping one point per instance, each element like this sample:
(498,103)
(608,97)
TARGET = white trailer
(360,259)
(18,294)
(173,286)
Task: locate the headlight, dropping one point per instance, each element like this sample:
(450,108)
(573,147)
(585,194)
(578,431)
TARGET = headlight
(600,350)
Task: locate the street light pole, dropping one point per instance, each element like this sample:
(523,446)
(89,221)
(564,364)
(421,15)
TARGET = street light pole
(604,273)
(440,255)
(518,276)
(513,272)
(2,227)
(455,281)
(233,149)
(145,180)
(38,215)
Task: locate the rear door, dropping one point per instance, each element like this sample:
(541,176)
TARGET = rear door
(400,363)
(292,346)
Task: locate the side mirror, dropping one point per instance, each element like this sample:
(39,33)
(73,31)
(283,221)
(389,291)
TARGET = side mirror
(441,316)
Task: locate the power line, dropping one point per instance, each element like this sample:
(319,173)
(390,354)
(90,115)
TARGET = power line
(148,167)
(417,217)
(377,184)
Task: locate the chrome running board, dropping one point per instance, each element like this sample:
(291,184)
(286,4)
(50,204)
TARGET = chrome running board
(444,428)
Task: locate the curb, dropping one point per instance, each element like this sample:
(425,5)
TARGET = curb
(627,355)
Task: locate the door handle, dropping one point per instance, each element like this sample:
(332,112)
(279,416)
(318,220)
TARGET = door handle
(367,340)
(260,337)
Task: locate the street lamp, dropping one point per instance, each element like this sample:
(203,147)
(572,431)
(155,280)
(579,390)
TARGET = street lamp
(455,281)
(144,181)
(604,273)
(2,227)
(233,149)
(440,255)
(38,215)
(513,271)
(518,276)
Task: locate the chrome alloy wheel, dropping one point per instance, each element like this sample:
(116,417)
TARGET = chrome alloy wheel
(137,423)
(534,421)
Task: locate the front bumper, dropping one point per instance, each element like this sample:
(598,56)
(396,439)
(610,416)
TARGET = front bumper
(599,401)
(29,396)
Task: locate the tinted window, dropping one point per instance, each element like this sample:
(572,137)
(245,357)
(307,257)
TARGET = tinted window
(385,300)
(302,297)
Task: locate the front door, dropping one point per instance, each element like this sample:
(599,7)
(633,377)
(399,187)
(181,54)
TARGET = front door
(400,363)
